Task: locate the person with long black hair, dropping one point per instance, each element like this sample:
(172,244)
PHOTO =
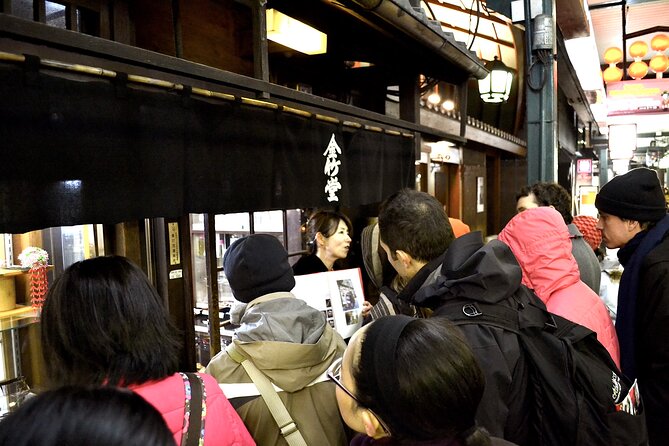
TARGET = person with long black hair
(104,324)
(407,381)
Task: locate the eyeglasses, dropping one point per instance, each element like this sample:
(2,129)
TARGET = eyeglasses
(334,373)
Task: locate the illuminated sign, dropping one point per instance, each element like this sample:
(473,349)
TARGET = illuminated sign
(584,166)
(639,96)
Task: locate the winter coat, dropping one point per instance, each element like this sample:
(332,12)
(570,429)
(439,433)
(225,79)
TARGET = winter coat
(222,424)
(291,344)
(309,265)
(539,239)
(486,273)
(588,264)
(652,348)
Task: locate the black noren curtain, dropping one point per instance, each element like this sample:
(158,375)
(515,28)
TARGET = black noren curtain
(84,150)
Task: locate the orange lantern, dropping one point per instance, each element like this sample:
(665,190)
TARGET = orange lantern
(637,70)
(660,42)
(613,55)
(659,63)
(638,49)
(612,74)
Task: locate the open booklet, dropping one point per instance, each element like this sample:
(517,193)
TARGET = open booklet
(337,294)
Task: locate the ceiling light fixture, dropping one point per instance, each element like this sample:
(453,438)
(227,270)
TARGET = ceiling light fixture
(294,34)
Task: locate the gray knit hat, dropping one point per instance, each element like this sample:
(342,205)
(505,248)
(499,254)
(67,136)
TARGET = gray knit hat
(636,195)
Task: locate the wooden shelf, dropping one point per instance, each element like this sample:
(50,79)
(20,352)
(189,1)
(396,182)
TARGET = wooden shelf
(9,272)
(20,316)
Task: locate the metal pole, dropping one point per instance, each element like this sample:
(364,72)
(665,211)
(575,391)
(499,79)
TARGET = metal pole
(541,89)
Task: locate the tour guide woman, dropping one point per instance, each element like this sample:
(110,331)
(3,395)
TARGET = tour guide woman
(330,239)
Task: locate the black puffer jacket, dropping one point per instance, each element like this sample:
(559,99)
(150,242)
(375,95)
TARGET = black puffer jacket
(487,273)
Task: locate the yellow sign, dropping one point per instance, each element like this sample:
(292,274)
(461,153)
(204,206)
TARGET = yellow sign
(173,234)
(588,198)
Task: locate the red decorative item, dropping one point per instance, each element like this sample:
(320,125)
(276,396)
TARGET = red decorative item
(39,285)
(37,260)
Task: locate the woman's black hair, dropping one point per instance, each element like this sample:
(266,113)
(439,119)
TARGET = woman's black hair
(430,390)
(78,416)
(104,323)
(325,222)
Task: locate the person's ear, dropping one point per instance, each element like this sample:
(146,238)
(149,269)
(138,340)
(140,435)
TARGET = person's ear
(373,428)
(632,225)
(404,257)
(320,239)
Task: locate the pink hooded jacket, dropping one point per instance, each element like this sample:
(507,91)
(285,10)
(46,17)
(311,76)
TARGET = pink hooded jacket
(222,425)
(540,241)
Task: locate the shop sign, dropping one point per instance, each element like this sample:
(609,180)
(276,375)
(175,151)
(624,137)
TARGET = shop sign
(638,96)
(331,169)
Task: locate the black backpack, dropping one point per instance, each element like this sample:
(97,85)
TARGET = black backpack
(580,397)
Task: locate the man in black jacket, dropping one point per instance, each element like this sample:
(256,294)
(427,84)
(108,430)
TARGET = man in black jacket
(633,217)
(418,240)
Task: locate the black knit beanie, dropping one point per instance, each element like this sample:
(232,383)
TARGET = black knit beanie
(257,265)
(636,195)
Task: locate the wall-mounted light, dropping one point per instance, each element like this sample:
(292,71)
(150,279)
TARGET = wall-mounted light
(434,98)
(448,105)
(294,34)
(496,86)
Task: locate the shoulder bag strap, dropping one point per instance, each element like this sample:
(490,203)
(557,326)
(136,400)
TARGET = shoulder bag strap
(194,410)
(276,407)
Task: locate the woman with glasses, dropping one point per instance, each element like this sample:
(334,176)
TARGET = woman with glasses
(406,381)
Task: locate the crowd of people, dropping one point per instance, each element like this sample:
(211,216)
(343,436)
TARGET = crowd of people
(412,375)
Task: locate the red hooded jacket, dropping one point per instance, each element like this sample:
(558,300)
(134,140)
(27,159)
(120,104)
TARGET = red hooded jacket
(540,241)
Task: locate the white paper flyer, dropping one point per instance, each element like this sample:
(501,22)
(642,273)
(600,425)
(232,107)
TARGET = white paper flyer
(337,294)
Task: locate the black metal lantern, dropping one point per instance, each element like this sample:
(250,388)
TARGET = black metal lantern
(496,86)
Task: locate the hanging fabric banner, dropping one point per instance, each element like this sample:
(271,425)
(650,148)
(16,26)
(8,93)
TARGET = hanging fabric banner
(89,150)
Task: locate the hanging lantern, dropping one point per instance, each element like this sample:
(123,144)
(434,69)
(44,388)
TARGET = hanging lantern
(613,55)
(612,74)
(659,63)
(638,69)
(638,49)
(660,42)
(496,86)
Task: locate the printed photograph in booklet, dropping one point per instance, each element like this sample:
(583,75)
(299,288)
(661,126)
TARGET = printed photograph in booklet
(337,294)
